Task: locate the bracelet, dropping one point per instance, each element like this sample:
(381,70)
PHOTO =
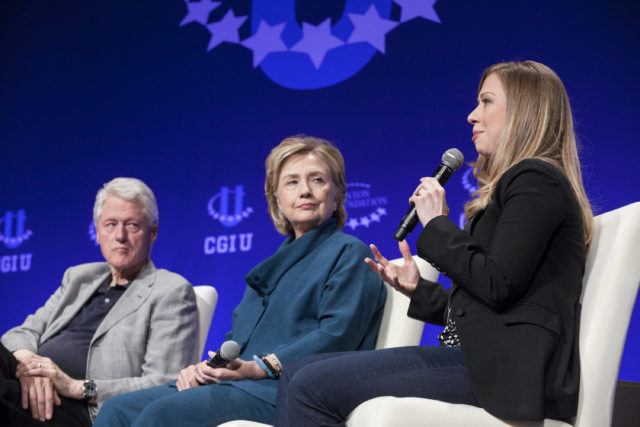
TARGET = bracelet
(263,366)
(276,363)
(274,373)
(277,370)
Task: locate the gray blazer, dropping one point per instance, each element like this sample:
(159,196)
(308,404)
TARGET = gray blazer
(144,340)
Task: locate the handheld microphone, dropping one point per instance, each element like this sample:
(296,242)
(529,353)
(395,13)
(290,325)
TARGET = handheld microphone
(229,350)
(452,159)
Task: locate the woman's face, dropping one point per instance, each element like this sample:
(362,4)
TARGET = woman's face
(306,193)
(490,116)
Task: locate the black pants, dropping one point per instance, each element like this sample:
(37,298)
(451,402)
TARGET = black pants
(71,412)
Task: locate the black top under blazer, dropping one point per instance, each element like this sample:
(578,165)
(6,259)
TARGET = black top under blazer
(516,275)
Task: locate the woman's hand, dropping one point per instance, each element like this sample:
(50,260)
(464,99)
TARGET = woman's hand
(187,377)
(430,200)
(202,373)
(403,278)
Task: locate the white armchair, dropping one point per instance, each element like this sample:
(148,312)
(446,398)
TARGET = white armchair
(396,328)
(206,300)
(610,284)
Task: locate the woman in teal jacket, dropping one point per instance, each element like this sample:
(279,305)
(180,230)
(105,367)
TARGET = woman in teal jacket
(313,295)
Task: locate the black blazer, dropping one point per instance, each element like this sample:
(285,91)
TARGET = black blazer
(516,275)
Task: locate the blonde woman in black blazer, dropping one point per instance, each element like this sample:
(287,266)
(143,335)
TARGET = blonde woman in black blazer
(510,343)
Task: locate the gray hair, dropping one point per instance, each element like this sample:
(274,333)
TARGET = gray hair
(128,189)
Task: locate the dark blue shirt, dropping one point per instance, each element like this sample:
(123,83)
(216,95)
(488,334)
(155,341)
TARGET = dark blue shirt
(69,348)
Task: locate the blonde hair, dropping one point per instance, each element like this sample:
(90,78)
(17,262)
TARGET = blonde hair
(302,144)
(539,125)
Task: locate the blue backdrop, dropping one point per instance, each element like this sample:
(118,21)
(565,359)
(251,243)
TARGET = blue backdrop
(190,97)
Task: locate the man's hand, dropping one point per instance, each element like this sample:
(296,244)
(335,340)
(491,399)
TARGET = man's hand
(39,394)
(44,367)
(24,355)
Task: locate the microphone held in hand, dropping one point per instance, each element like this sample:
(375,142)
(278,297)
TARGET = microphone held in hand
(229,350)
(452,159)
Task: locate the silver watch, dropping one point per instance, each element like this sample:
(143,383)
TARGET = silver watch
(90,390)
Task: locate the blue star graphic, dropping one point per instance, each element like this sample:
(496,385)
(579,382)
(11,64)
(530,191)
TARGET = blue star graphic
(374,217)
(417,8)
(353,223)
(225,30)
(266,40)
(199,11)
(365,221)
(370,28)
(316,41)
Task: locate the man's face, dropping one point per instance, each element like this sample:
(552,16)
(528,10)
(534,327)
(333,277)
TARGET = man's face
(124,234)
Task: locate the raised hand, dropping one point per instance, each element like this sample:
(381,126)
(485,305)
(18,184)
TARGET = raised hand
(403,278)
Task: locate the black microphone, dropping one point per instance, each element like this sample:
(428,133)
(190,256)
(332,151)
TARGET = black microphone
(229,350)
(452,159)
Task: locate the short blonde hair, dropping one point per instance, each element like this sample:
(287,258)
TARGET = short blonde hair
(302,144)
(539,125)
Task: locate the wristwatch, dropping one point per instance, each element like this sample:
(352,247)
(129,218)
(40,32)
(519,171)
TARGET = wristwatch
(90,390)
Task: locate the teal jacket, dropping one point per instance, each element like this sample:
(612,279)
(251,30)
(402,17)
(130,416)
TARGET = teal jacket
(314,295)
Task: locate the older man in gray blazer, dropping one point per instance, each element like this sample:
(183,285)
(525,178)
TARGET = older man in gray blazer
(112,327)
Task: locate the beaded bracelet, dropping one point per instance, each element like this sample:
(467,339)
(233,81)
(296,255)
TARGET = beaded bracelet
(263,366)
(276,363)
(266,362)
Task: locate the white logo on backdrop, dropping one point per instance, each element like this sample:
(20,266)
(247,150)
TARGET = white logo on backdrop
(363,209)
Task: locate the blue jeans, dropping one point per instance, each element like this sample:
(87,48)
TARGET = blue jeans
(207,405)
(322,390)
